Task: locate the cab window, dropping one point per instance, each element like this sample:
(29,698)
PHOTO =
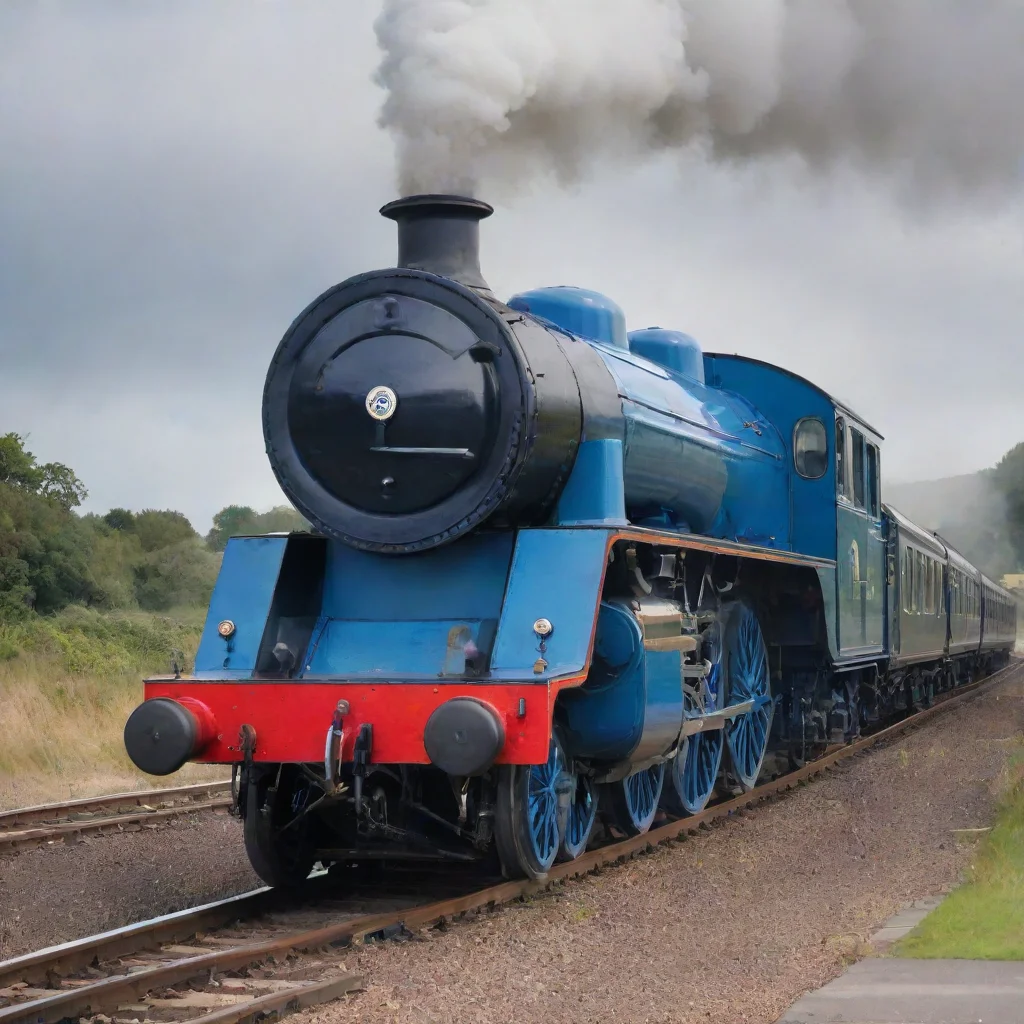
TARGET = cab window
(841,457)
(810,448)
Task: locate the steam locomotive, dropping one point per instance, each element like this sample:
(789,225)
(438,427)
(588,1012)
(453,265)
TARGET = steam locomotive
(562,577)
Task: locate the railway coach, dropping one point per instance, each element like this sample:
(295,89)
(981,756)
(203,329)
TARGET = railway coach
(563,577)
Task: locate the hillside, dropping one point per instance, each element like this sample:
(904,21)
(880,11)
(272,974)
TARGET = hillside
(973,512)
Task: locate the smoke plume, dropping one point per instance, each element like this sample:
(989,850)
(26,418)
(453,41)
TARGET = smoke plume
(498,92)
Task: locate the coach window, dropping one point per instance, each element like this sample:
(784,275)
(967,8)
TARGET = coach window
(810,448)
(873,502)
(857,465)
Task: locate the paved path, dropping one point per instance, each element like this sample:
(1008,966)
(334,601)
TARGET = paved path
(891,991)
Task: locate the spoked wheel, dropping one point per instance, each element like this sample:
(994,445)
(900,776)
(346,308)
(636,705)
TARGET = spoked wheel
(694,770)
(693,773)
(527,830)
(746,678)
(633,801)
(277,834)
(579,823)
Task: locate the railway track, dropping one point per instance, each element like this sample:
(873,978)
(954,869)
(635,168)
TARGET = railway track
(67,822)
(263,952)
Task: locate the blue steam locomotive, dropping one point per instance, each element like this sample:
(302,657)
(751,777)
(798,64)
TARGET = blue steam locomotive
(562,576)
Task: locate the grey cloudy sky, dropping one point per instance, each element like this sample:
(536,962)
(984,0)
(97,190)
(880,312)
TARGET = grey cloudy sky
(178,180)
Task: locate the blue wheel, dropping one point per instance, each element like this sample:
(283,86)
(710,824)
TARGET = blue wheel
(527,830)
(693,773)
(633,801)
(694,770)
(579,823)
(746,678)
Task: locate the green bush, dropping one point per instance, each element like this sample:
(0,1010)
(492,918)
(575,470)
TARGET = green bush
(87,641)
(182,574)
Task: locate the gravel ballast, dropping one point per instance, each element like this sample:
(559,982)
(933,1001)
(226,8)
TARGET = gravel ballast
(55,893)
(728,926)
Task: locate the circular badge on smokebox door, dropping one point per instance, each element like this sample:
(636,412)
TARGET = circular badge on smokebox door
(381,403)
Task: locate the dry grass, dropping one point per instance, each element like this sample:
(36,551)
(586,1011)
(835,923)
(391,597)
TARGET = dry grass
(67,686)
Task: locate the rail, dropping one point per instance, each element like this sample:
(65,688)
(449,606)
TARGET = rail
(48,823)
(198,950)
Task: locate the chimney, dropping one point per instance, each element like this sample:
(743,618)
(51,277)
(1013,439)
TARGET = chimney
(441,235)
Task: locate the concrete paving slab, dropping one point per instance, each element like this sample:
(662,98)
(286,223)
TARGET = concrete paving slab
(889,991)
(903,923)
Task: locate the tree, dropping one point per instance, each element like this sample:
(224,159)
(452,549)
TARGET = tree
(176,576)
(1008,477)
(51,557)
(232,521)
(59,484)
(162,528)
(45,553)
(17,466)
(54,481)
(241,520)
(120,519)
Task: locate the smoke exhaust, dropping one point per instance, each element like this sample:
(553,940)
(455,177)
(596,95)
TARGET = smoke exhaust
(441,235)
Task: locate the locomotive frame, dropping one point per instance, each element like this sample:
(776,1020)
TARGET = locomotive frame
(621,575)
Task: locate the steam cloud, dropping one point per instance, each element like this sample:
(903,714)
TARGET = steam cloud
(501,91)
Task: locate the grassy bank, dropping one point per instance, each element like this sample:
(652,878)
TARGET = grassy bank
(984,918)
(67,684)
